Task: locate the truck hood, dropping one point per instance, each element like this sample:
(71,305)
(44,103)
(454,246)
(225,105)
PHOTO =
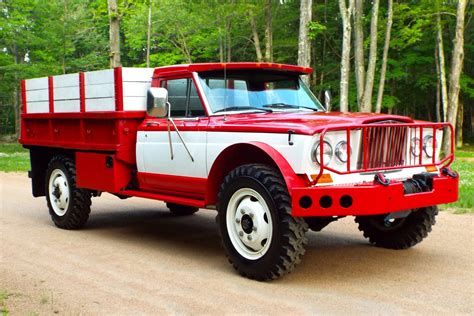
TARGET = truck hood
(306,123)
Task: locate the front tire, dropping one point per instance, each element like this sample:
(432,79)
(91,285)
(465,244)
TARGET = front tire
(69,206)
(399,233)
(261,238)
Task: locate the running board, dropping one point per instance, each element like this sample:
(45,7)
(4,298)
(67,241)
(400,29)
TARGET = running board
(164,198)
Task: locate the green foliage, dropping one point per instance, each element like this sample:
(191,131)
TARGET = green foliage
(40,38)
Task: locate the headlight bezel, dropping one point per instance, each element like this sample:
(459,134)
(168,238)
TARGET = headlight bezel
(338,151)
(429,153)
(415,147)
(315,155)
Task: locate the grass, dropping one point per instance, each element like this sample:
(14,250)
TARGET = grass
(4,295)
(14,158)
(464,165)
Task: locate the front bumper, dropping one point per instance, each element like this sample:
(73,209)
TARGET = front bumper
(370,198)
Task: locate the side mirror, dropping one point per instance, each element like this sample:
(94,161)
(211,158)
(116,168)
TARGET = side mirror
(157,102)
(327,100)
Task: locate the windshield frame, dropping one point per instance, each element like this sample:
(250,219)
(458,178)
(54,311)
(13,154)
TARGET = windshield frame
(204,97)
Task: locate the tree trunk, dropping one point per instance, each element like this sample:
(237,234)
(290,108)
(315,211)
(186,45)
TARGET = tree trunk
(256,39)
(114,34)
(386,46)
(268,31)
(148,36)
(369,76)
(359,50)
(456,68)
(221,47)
(438,86)
(346,13)
(304,44)
(442,67)
(459,123)
(16,94)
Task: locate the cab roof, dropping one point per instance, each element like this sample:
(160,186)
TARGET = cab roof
(200,67)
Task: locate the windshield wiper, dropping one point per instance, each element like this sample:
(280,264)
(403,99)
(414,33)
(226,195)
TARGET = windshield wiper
(288,106)
(244,108)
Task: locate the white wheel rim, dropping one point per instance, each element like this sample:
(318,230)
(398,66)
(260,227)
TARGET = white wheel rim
(249,223)
(58,192)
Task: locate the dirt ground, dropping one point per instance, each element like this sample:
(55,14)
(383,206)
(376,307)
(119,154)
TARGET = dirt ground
(135,258)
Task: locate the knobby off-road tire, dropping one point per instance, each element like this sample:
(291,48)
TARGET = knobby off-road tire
(401,233)
(181,210)
(68,205)
(260,237)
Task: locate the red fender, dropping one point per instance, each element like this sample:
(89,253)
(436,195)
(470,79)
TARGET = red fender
(255,152)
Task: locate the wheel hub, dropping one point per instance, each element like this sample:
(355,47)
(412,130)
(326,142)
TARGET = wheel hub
(248,224)
(58,192)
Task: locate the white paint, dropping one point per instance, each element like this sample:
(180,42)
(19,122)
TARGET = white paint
(137,74)
(105,90)
(66,93)
(134,103)
(67,106)
(135,89)
(37,83)
(154,156)
(97,105)
(37,95)
(69,80)
(37,107)
(99,77)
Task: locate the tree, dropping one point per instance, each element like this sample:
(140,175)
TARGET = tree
(383,70)
(456,69)
(114,34)
(304,44)
(346,12)
(268,31)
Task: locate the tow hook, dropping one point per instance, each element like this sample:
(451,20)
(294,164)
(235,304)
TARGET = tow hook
(448,172)
(380,178)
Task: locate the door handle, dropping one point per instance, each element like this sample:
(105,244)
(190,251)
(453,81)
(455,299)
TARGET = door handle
(152,124)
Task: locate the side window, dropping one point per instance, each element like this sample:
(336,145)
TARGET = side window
(183,97)
(177,92)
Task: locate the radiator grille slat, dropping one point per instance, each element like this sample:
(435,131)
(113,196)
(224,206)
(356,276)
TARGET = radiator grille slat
(384,147)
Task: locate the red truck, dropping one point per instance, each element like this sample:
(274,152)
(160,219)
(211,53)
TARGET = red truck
(249,140)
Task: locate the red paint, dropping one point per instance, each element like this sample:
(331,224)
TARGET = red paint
(102,172)
(118,89)
(255,152)
(165,197)
(51,94)
(173,185)
(23,96)
(190,68)
(82,92)
(371,199)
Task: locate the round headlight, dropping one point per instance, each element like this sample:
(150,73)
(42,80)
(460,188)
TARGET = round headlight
(327,153)
(342,151)
(428,142)
(415,146)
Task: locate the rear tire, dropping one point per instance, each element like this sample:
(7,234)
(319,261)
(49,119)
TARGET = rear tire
(261,239)
(401,233)
(181,210)
(69,206)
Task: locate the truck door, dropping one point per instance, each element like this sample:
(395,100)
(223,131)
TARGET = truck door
(164,164)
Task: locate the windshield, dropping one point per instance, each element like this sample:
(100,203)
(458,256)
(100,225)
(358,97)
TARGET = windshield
(257,90)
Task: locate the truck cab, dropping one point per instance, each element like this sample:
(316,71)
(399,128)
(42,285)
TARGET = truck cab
(249,140)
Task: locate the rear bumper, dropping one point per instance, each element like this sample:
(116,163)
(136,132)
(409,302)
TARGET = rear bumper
(370,198)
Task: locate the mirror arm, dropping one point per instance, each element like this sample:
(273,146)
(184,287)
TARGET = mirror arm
(180,137)
(169,138)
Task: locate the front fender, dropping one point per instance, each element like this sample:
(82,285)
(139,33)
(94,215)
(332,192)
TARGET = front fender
(246,153)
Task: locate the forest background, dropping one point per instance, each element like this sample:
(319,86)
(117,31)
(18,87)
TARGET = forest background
(410,58)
